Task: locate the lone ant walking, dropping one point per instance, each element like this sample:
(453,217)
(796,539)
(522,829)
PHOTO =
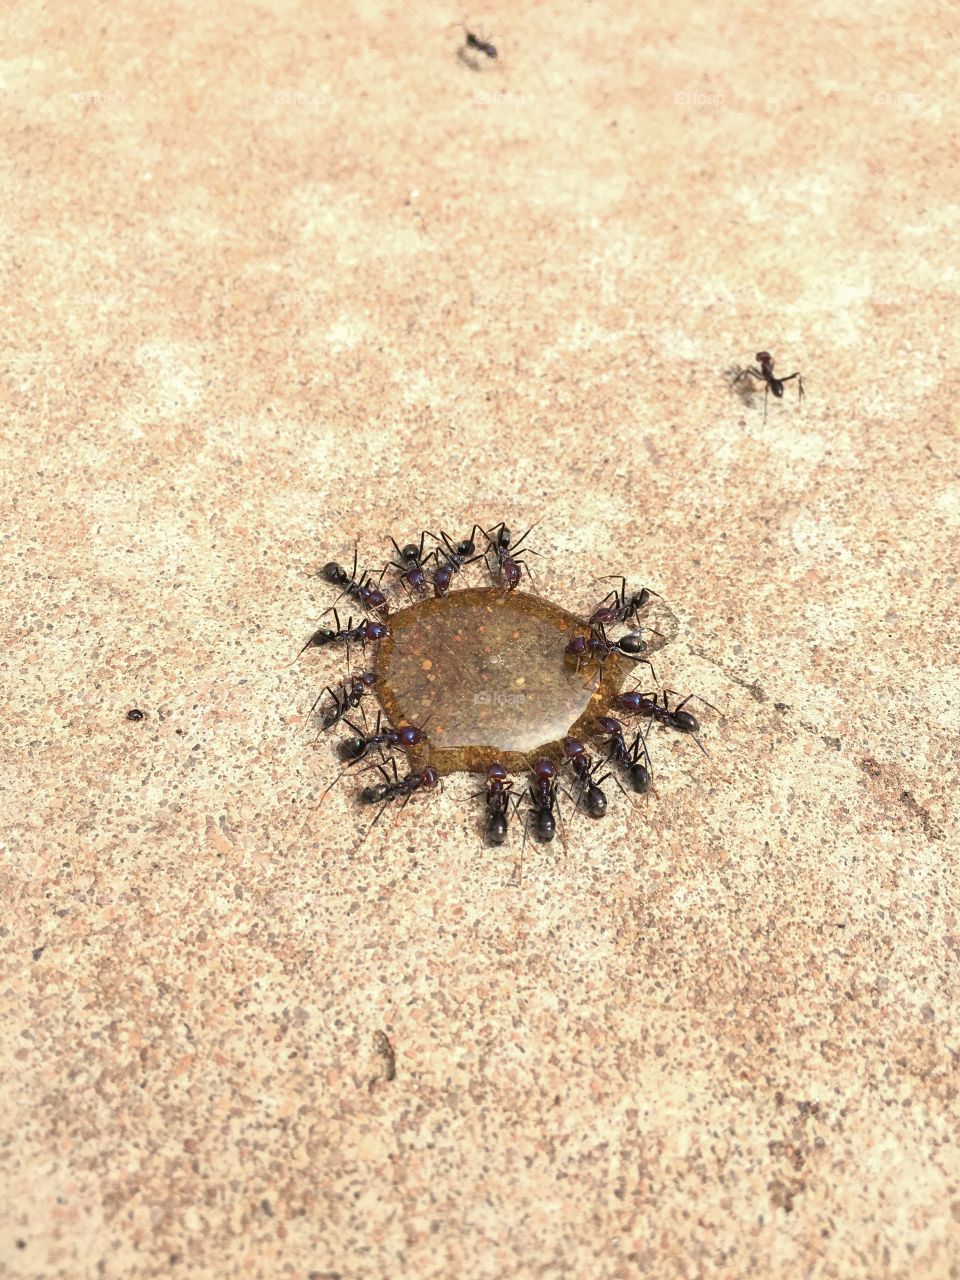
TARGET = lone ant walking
(765,374)
(476,44)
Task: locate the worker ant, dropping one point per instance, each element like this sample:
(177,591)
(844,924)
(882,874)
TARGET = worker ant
(347,699)
(404,736)
(629,758)
(499,794)
(383,793)
(474,42)
(369,596)
(509,563)
(600,646)
(456,557)
(360,634)
(410,565)
(765,374)
(585,769)
(623,606)
(648,705)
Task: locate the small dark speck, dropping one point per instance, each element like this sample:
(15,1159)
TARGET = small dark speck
(831,742)
(238,890)
(21,1244)
(136,714)
(267,1207)
(782,706)
(38,952)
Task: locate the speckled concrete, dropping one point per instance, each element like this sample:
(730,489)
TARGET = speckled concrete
(278,276)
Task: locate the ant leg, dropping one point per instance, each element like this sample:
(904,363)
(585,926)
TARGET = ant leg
(800,391)
(752,371)
(681,705)
(515,546)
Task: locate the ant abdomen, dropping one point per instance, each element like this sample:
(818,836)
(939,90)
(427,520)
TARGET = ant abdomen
(497,828)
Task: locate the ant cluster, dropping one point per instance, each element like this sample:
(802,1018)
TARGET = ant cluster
(585,657)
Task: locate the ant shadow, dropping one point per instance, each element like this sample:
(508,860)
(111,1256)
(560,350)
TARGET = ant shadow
(744,388)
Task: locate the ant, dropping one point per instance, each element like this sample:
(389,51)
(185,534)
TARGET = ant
(359,634)
(623,606)
(457,556)
(499,793)
(509,563)
(409,565)
(627,757)
(472,41)
(383,793)
(579,760)
(542,793)
(347,699)
(354,749)
(765,374)
(370,597)
(599,645)
(647,704)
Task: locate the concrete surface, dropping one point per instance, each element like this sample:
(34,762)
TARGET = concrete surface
(276,276)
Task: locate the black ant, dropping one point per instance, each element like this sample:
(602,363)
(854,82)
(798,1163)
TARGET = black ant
(456,557)
(590,786)
(472,41)
(629,758)
(347,699)
(354,749)
(370,597)
(359,634)
(383,793)
(509,563)
(647,704)
(499,793)
(410,564)
(542,793)
(765,374)
(623,606)
(600,646)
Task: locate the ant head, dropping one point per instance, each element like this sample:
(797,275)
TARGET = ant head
(765,358)
(607,724)
(496,772)
(429,777)
(572,748)
(376,630)
(544,769)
